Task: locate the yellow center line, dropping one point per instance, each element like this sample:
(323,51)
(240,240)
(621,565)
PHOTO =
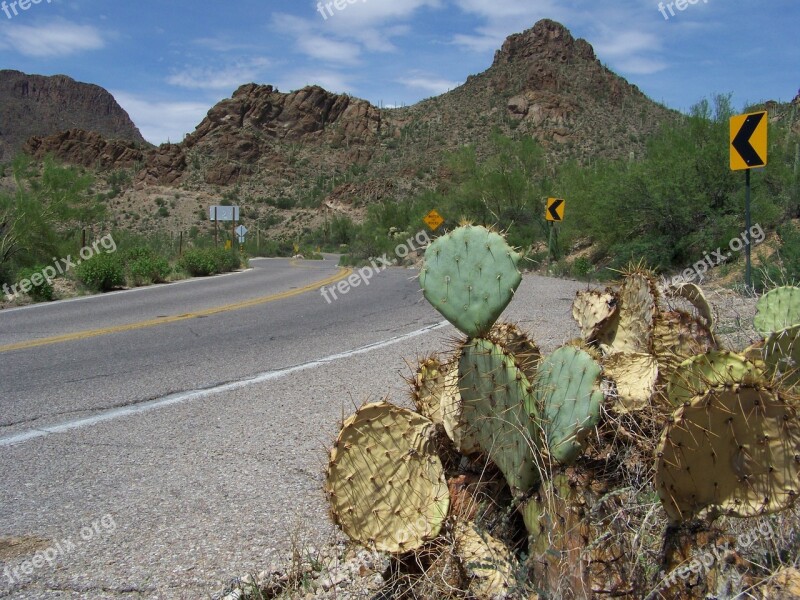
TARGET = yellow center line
(82,335)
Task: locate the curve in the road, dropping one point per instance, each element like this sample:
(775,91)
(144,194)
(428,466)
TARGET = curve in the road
(81,335)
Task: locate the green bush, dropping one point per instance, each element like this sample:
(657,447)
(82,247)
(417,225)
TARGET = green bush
(201,262)
(144,267)
(40,293)
(225,260)
(102,272)
(198,262)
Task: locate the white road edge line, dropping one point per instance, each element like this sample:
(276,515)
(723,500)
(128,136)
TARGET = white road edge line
(135,409)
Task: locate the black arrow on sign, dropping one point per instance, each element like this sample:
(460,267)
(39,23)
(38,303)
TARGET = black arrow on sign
(553,209)
(742,141)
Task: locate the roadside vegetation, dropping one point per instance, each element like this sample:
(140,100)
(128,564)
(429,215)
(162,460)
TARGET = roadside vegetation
(55,233)
(668,207)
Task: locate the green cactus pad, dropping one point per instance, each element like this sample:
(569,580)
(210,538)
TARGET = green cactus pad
(781,354)
(495,397)
(635,377)
(385,484)
(731,451)
(698,374)
(592,309)
(567,396)
(777,310)
(470,275)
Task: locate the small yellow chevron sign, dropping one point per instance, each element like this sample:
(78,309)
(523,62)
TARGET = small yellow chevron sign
(749,141)
(555,209)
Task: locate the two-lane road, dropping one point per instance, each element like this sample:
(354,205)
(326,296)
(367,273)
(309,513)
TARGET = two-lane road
(157,442)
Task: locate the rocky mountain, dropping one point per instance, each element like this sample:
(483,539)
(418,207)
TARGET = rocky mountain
(272,151)
(307,143)
(35,105)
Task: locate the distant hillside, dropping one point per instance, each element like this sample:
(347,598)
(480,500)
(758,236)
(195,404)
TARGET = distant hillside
(35,105)
(286,158)
(543,83)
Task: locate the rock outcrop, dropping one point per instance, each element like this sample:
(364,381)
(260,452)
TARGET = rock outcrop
(35,105)
(86,148)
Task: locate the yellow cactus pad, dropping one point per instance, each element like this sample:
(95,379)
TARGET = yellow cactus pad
(731,451)
(385,484)
(635,376)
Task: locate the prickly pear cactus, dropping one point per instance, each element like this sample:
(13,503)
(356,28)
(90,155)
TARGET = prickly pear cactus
(592,309)
(781,354)
(427,388)
(692,293)
(525,351)
(677,336)
(496,401)
(777,309)
(567,398)
(470,275)
(631,328)
(731,451)
(635,377)
(576,545)
(698,374)
(385,484)
(489,564)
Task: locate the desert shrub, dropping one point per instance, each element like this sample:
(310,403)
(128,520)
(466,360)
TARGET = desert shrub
(144,267)
(40,293)
(198,262)
(201,262)
(101,273)
(225,260)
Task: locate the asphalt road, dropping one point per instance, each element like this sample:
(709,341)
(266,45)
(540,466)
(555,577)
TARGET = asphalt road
(158,442)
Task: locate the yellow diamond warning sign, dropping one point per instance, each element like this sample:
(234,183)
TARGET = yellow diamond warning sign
(433,220)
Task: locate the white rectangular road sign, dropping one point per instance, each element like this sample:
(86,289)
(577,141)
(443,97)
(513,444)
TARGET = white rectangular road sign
(223,213)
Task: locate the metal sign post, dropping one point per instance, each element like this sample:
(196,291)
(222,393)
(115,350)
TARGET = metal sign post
(748,150)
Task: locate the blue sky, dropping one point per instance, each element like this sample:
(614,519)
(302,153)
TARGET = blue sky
(167,62)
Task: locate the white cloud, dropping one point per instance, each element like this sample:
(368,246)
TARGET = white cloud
(55,39)
(626,51)
(224,78)
(341,36)
(332,51)
(327,79)
(162,121)
(502,18)
(430,84)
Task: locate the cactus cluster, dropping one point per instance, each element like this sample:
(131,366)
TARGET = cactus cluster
(726,440)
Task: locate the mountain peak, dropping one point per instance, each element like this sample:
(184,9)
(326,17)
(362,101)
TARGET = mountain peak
(547,40)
